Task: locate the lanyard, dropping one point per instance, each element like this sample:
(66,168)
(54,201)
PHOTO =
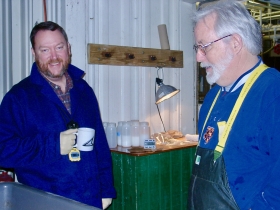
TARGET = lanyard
(225,128)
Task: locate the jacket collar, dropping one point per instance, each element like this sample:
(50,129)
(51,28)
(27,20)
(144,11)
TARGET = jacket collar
(36,78)
(242,79)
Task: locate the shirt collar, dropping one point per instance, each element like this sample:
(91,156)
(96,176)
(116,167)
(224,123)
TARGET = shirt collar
(242,79)
(69,82)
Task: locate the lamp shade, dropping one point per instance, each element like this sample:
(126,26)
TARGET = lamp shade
(164,91)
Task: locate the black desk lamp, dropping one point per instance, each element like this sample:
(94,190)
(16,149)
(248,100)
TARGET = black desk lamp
(164,92)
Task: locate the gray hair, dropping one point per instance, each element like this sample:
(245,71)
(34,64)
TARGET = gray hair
(232,18)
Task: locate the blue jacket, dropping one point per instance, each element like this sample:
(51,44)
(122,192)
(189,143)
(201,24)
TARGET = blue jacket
(32,117)
(251,152)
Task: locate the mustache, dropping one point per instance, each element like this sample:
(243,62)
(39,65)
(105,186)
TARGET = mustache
(43,67)
(204,65)
(57,60)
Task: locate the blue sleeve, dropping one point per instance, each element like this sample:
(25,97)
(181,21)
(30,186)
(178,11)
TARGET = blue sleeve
(21,144)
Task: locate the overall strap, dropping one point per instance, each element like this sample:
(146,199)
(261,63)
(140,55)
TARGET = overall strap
(227,127)
(209,112)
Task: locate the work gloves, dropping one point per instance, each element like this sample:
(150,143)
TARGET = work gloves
(67,141)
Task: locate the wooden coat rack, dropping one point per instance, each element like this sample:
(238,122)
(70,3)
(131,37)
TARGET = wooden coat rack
(134,56)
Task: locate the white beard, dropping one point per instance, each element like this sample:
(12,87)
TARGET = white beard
(217,69)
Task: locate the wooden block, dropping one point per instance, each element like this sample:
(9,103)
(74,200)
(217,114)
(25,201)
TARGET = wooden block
(134,56)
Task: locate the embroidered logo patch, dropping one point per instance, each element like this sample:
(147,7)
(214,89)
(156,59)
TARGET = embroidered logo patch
(208,134)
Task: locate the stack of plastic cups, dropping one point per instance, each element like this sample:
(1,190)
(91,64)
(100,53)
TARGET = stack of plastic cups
(135,134)
(126,135)
(144,131)
(111,133)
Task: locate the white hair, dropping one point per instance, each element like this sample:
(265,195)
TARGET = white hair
(232,17)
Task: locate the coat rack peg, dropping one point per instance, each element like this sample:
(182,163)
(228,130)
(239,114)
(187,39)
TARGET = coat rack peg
(107,54)
(172,58)
(153,57)
(133,56)
(130,56)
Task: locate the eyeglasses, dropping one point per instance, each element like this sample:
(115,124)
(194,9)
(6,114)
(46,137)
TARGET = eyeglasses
(202,48)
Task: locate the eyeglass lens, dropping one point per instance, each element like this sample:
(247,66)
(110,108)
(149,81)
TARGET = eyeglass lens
(202,48)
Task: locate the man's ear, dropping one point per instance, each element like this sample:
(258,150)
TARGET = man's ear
(69,48)
(237,43)
(33,52)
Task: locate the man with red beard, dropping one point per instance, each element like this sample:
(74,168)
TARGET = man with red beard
(39,117)
(237,164)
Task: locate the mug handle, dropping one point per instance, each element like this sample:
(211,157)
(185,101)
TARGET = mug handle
(75,145)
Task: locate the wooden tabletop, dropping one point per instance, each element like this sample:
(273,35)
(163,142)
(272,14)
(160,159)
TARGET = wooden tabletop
(140,151)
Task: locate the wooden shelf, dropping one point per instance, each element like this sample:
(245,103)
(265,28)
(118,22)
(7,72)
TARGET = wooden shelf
(134,56)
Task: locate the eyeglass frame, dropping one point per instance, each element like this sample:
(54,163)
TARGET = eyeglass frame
(202,48)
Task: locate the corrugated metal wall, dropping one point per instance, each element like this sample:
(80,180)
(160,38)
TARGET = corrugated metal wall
(124,93)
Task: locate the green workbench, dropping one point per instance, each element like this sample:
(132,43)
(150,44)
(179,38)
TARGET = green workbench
(152,181)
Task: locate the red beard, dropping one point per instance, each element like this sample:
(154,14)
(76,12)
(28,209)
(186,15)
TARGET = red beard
(43,67)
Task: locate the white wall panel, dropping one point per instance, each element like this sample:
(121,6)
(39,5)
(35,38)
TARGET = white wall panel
(124,93)
(5,73)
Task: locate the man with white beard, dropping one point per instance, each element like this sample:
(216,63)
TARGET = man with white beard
(237,161)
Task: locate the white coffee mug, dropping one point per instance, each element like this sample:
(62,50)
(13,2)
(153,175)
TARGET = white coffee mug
(85,139)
